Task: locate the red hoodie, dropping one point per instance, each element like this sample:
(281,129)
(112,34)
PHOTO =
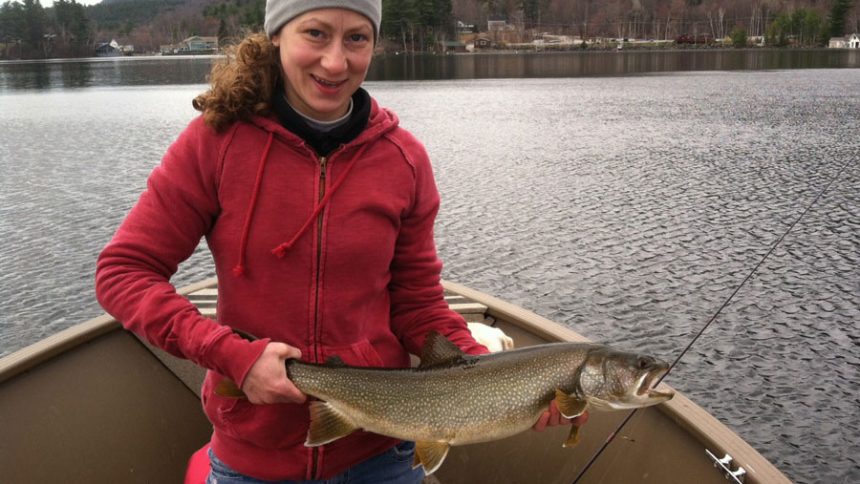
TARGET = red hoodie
(334,256)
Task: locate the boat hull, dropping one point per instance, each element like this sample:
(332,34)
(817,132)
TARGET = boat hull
(95,404)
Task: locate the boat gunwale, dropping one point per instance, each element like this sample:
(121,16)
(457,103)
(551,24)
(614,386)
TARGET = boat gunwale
(686,413)
(44,350)
(711,432)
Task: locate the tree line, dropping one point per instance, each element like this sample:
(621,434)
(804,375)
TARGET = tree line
(27,31)
(70,29)
(668,19)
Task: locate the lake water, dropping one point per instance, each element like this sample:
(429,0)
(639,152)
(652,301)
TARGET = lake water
(626,204)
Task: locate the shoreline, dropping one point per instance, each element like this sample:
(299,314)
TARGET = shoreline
(628,47)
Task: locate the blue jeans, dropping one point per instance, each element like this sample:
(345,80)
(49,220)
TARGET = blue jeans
(391,467)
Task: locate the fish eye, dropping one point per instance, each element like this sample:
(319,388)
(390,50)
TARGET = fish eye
(645,362)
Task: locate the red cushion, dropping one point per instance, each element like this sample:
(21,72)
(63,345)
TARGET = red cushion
(198,466)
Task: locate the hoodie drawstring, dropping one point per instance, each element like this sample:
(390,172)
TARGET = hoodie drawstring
(282,249)
(239,269)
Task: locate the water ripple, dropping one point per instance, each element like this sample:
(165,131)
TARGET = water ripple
(627,208)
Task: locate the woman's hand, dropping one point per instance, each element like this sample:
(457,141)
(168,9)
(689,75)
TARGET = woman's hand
(553,417)
(267,382)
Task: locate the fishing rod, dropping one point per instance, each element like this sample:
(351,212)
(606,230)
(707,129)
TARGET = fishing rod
(704,328)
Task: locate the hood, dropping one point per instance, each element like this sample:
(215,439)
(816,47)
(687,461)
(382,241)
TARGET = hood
(381,121)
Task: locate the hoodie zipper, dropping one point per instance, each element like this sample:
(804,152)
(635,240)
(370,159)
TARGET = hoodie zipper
(323,166)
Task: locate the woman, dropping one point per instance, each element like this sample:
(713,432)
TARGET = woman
(318,210)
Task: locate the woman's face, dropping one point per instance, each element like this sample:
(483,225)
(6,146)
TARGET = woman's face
(325,55)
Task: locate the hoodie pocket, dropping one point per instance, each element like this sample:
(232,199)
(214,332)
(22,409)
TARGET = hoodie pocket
(279,425)
(273,426)
(220,409)
(360,353)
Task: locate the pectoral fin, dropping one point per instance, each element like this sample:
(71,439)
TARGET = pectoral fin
(568,405)
(228,388)
(327,424)
(572,438)
(430,455)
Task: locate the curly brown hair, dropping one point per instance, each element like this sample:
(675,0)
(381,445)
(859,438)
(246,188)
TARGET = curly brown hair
(242,84)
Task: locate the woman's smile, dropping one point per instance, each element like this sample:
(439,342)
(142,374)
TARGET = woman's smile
(328,87)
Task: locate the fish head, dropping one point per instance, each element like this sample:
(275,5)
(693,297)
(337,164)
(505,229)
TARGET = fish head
(617,380)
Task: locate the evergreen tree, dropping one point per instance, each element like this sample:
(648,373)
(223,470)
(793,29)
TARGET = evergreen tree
(80,25)
(533,10)
(12,22)
(253,15)
(739,37)
(71,26)
(811,28)
(418,23)
(236,17)
(223,34)
(778,31)
(35,19)
(399,19)
(837,16)
(803,26)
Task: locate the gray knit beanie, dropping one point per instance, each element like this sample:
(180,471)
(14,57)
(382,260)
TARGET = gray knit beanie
(279,12)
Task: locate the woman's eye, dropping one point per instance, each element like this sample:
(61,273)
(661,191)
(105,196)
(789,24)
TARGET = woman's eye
(357,38)
(315,33)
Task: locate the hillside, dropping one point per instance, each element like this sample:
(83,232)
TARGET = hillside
(71,29)
(659,19)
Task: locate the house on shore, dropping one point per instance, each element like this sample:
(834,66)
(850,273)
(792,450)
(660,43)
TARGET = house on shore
(195,45)
(108,49)
(451,46)
(850,42)
(501,32)
(483,41)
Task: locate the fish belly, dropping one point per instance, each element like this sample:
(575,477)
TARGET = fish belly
(457,422)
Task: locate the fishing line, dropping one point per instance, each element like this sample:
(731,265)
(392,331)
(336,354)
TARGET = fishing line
(749,276)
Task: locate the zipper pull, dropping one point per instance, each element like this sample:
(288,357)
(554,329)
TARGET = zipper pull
(323,164)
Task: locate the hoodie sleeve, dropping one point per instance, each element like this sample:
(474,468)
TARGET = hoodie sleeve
(417,297)
(178,207)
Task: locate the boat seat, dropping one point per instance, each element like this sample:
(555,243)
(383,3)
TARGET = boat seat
(198,466)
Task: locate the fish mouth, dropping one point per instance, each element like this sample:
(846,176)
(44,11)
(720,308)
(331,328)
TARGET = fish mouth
(650,380)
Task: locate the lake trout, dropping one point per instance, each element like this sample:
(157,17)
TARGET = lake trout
(453,398)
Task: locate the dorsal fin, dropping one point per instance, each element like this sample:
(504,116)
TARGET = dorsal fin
(439,350)
(334,361)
